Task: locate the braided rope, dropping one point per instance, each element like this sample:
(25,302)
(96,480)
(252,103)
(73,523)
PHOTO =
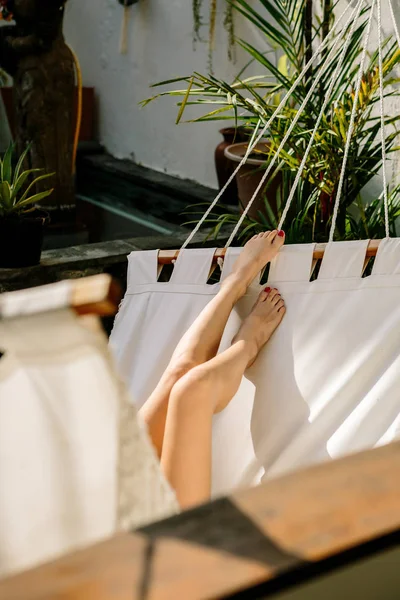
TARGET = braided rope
(382,115)
(251,147)
(324,105)
(285,138)
(396,29)
(351,125)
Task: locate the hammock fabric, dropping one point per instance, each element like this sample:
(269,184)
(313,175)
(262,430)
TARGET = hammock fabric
(327,384)
(75,463)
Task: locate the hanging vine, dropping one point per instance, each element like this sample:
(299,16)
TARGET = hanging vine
(228,23)
(211,33)
(197,22)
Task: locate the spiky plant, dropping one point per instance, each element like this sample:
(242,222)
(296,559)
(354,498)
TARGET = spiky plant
(16,184)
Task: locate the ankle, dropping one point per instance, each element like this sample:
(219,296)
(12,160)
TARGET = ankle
(234,285)
(247,346)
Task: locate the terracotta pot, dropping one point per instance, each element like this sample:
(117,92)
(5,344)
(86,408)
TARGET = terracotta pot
(88,111)
(249,177)
(224,166)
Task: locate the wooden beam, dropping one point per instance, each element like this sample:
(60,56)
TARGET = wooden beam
(275,530)
(166,257)
(98,295)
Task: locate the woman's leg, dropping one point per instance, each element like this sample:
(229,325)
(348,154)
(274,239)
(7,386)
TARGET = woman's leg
(205,390)
(200,343)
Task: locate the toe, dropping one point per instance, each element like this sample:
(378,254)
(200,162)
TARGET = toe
(272,235)
(272,295)
(263,295)
(276,298)
(280,304)
(279,238)
(282,309)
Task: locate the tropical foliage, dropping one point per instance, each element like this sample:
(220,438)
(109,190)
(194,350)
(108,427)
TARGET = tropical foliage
(293,29)
(17,184)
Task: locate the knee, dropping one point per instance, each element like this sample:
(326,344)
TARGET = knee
(179,367)
(198,376)
(194,387)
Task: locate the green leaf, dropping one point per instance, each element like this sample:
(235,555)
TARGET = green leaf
(34,182)
(210,114)
(283,65)
(5,194)
(182,108)
(20,163)
(32,199)
(6,167)
(21,181)
(174,80)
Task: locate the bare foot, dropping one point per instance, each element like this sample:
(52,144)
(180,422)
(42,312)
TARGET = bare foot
(257,252)
(261,323)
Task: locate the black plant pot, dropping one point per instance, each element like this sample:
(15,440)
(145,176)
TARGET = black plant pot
(21,239)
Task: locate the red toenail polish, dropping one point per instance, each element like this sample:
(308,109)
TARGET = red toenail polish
(268,289)
(281,233)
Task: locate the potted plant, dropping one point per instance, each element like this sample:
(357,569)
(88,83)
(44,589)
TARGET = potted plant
(249,176)
(224,166)
(293,29)
(21,223)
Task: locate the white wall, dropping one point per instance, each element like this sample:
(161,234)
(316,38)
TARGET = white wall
(160,47)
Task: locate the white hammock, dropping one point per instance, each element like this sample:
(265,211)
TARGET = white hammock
(75,463)
(328,382)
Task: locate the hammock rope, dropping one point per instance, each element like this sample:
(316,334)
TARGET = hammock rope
(396,29)
(321,113)
(324,105)
(281,146)
(252,145)
(353,18)
(351,124)
(289,131)
(382,115)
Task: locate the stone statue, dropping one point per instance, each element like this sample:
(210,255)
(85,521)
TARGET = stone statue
(33,52)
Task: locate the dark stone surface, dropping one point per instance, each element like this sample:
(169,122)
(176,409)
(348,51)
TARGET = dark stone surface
(89,259)
(118,199)
(184,190)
